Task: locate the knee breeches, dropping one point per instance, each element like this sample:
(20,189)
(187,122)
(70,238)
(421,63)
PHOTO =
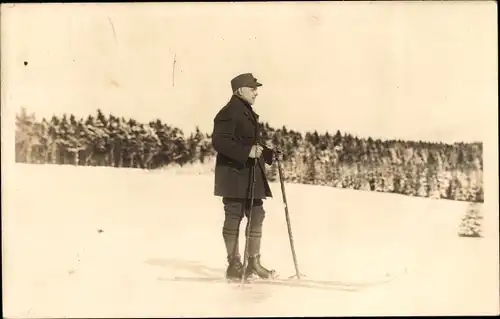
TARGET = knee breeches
(235,210)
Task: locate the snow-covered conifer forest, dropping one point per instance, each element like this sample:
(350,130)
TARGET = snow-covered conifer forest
(337,159)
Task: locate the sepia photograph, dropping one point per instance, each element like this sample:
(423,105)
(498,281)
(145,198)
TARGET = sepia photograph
(249,159)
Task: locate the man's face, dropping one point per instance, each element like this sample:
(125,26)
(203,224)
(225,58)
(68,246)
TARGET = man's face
(249,94)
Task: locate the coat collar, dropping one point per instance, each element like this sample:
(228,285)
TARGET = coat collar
(248,108)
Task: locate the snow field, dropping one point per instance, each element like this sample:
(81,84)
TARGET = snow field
(96,241)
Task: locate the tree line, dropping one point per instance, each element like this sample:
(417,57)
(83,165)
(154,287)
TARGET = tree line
(414,168)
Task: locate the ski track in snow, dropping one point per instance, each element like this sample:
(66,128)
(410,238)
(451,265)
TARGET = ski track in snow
(85,242)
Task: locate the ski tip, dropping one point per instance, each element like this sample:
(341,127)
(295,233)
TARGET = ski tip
(297,276)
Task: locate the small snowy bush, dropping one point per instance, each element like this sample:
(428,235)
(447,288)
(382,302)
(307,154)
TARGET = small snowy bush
(470,225)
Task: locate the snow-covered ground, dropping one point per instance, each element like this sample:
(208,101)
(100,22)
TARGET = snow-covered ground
(86,242)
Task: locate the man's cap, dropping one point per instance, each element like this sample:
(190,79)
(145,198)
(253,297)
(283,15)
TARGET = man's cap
(244,80)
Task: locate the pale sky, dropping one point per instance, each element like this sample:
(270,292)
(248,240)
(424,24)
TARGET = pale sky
(419,70)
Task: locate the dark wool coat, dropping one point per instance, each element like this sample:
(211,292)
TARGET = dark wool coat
(235,130)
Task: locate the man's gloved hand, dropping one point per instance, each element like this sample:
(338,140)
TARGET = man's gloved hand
(256,151)
(270,154)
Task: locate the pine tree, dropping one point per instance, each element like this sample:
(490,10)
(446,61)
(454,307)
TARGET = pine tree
(421,185)
(474,186)
(453,188)
(433,185)
(444,183)
(388,182)
(337,176)
(337,139)
(462,187)
(329,173)
(365,183)
(290,169)
(479,182)
(379,181)
(471,222)
(101,117)
(72,120)
(398,183)
(311,174)
(64,121)
(409,182)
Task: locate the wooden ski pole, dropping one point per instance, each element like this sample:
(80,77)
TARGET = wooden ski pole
(287,215)
(249,220)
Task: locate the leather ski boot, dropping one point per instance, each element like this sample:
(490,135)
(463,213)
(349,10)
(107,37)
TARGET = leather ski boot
(235,269)
(254,267)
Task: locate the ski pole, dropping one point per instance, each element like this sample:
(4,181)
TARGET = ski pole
(287,215)
(252,194)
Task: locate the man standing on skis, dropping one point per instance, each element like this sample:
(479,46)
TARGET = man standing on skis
(236,139)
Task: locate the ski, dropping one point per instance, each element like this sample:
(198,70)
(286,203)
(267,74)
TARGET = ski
(359,284)
(217,280)
(293,282)
(277,282)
